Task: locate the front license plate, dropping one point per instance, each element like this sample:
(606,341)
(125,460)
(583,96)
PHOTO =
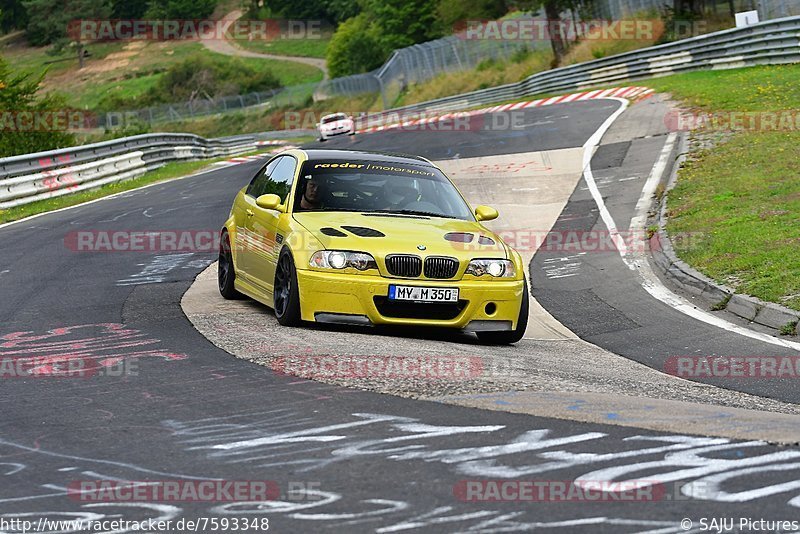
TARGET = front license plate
(423,294)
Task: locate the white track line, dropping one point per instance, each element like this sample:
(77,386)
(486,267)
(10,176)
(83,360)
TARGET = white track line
(638,261)
(588,152)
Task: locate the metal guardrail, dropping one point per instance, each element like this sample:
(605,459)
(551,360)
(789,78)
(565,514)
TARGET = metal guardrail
(32,177)
(768,43)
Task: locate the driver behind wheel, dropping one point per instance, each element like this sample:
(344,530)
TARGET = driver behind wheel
(398,196)
(312,194)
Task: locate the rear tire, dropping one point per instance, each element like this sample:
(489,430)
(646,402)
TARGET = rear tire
(510,336)
(286,294)
(226,272)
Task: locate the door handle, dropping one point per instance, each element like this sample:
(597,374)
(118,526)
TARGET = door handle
(250,213)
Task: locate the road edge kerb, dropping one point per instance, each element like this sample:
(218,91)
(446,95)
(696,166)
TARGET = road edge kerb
(715,296)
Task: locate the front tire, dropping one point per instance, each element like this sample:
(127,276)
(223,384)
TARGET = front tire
(510,336)
(226,273)
(286,294)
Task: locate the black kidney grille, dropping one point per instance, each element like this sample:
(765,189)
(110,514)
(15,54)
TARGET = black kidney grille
(438,267)
(404,265)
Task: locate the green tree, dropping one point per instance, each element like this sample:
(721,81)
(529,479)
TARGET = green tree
(12,15)
(354,48)
(49,20)
(364,42)
(553,11)
(341,10)
(129,9)
(180,9)
(18,94)
(453,15)
(401,23)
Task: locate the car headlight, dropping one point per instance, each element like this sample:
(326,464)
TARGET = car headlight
(341,259)
(494,268)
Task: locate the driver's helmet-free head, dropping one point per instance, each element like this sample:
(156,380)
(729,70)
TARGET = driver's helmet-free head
(319,183)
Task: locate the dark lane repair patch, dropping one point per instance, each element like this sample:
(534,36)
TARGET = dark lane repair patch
(596,316)
(610,156)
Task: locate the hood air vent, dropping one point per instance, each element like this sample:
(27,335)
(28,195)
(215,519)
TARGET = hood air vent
(333,232)
(364,232)
(459,237)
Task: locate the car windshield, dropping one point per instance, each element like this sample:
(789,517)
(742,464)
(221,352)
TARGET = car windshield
(378,187)
(333,118)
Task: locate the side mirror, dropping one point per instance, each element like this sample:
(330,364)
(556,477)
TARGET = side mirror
(485,213)
(270,202)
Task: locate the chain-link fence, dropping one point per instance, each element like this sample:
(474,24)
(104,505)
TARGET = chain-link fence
(424,61)
(776,9)
(293,95)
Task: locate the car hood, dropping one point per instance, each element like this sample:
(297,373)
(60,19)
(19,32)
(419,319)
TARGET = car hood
(385,234)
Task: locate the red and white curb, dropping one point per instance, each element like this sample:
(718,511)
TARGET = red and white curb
(630,93)
(254,157)
(272,142)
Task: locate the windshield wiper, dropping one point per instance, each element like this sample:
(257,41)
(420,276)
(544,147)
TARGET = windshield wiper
(417,212)
(331,208)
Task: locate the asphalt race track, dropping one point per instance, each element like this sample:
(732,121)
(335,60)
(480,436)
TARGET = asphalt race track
(168,405)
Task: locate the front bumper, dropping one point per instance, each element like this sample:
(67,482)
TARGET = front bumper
(484,305)
(327,134)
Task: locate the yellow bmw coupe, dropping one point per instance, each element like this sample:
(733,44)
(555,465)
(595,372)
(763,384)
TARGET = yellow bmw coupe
(366,238)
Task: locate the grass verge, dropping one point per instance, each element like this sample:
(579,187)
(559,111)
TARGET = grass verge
(740,200)
(310,47)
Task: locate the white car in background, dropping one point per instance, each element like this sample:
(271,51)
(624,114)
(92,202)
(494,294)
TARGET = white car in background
(336,124)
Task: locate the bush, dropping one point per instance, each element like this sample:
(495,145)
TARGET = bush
(199,77)
(488,63)
(520,55)
(18,94)
(354,48)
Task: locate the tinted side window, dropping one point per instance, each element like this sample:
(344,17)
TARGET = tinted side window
(281,178)
(260,180)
